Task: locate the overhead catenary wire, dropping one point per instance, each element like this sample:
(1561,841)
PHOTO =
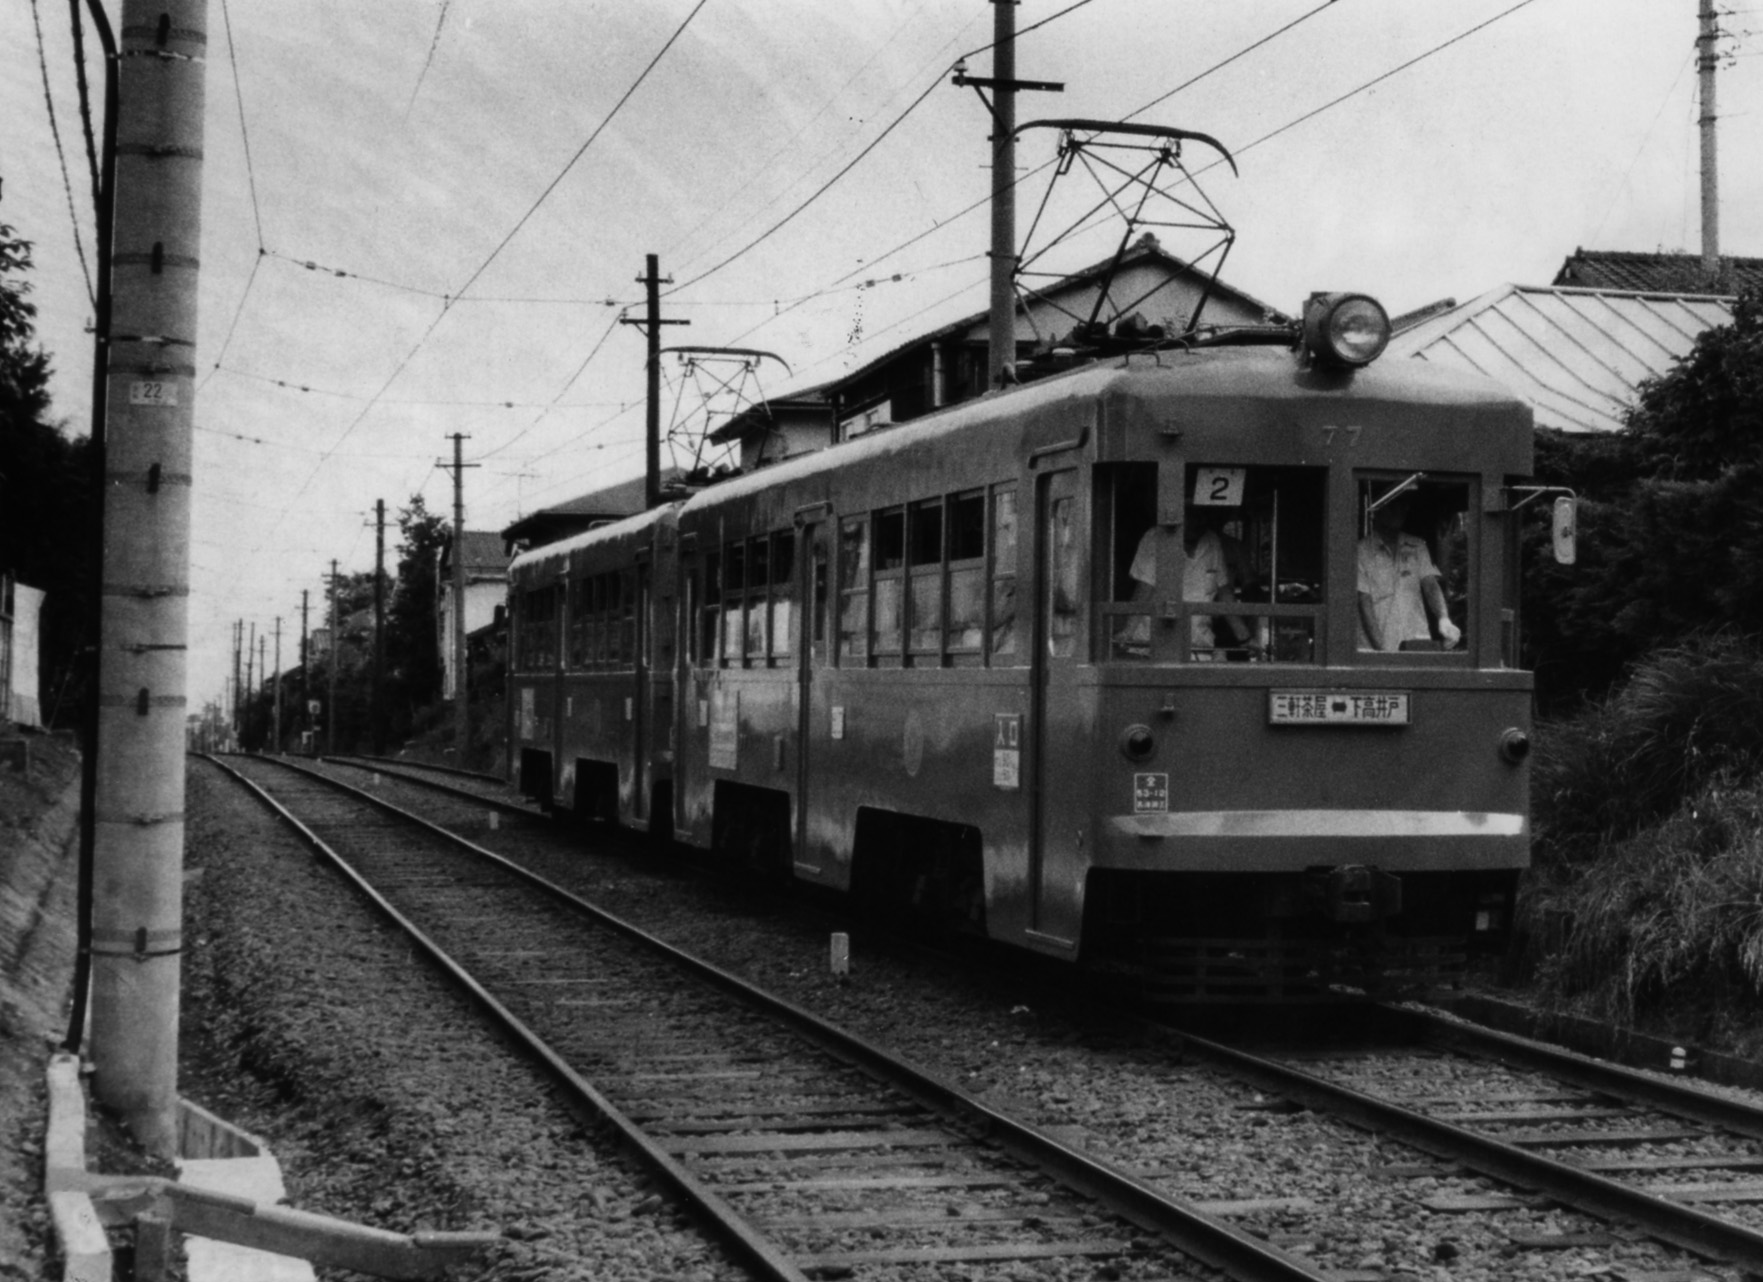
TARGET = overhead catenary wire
(251,186)
(79,243)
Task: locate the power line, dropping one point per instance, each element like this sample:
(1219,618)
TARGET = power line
(582,150)
(251,184)
(66,179)
(820,191)
(434,43)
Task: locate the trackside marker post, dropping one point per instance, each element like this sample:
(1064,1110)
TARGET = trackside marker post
(841,953)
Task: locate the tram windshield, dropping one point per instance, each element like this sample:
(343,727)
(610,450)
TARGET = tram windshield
(1412,562)
(1247,546)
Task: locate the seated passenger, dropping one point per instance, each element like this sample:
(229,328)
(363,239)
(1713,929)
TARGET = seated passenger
(1211,574)
(1400,598)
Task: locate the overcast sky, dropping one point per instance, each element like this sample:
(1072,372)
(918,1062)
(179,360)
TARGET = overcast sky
(478,150)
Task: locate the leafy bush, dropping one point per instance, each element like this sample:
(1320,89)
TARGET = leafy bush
(1686,716)
(1669,922)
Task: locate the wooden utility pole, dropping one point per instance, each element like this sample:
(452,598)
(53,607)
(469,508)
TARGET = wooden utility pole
(250,687)
(652,281)
(262,667)
(238,677)
(378,702)
(305,717)
(276,723)
(330,712)
(1707,59)
(461,696)
(138,799)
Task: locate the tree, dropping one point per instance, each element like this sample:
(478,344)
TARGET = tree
(1671,520)
(46,501)
(413,661)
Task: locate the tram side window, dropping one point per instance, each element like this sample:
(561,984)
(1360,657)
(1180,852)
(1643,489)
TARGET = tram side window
(1413,563)
(734,621)
(854,591)
(622,616)
(783,588)
(887,614)
(1003,594)
(576,653)
(924,560)
(967,568)
(710,610)
(1064,548)
(537,630)
(758,577)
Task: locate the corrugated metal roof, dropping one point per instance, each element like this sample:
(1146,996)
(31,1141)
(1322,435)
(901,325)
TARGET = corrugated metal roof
(1576,354)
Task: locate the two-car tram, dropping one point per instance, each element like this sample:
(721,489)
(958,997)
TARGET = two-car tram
(1102,666)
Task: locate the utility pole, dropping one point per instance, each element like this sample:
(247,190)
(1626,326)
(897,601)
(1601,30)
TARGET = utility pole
(238,676)
(330,712)
(461,699)
(138,796)
(379,629)
(652,281)
(1001,340)
(305,717)
(276,731)
(250,689)
(1707,58)
(262,668)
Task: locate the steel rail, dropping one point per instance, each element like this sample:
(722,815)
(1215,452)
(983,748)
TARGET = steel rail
(1677,1099)
(1179,1223)
(754,1249)
(481,775)
(1682,1226)
(392,771)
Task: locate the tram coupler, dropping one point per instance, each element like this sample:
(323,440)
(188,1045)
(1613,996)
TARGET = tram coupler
(1356,894)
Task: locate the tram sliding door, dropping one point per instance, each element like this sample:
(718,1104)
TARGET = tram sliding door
(1057,835)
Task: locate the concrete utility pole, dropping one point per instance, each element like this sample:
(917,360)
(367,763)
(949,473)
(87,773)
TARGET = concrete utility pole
(138,801)
(276,724)
(461,698)
(652,281)
(330,712)
(378,702)
(1707,58)
(1001,341)
(1001,337)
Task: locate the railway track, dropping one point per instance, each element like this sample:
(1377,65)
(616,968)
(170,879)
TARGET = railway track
(1552,1127)
(1523,1149)
(814,1153)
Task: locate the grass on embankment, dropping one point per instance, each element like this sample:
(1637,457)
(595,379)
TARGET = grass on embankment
(1645,903)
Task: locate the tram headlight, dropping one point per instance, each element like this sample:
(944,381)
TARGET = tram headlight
(1514,745)
(1345,329)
